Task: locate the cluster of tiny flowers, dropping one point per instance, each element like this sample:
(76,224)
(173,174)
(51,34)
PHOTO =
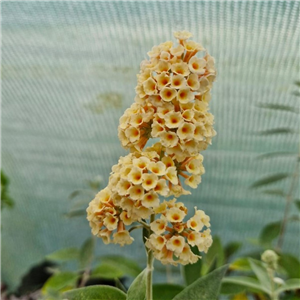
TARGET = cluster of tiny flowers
(171,105)
(171,238)
(172,98)
(133,191)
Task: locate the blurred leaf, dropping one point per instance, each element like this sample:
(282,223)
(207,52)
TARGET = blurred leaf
(297,83)
(240,264)
(294,218)
(75,194)
(269,179)
(87,253)
(269,233)
(166,291)
(137,290)
(191,272)
(204,288)
(231,248)
(296,93)
(250,283)
(297,203)
(289,285)
(276,154)
(290,264)
(277,131)
(95,292)
(215,255)
(280,107)
(261,273)
(60,281)
(95,184)
(229,288)
(126,265)
(242,296)
(107,271)
(75,213)
(7,201)
(275,192)
(65,254)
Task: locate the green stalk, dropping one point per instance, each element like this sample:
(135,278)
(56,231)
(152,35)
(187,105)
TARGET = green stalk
(150,259)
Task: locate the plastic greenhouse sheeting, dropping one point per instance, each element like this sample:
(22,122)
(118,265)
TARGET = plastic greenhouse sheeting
(61,60)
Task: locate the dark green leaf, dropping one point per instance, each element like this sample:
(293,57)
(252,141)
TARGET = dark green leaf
(65,254)
(261,273)
(166,291)
(296,93)
(231,248)
(126,265)
(297,203)
(277,131)
(6,201)
(137,290)
(280,107)
(214,254)
(276,154)
(60,281)
(87,253)
(289,285)
(240,264)
(291,265)
(228,288)
(269,179)
(249,283)
(269,233)
(191,272)
(205,288)
(297,83)
(96,292)
(274,192)
(107,271)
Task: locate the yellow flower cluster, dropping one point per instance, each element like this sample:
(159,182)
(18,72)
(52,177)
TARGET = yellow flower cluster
(171,105)
(171,238)
(172,98)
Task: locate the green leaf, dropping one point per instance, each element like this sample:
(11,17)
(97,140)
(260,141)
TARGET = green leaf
(60,281)
(65,254)
(289,285)
(240,264)
(297,203)
(166,291)
(95,292)
(126,265)
(269,179)
(296,93)
(276,154)
(231,248)
(215,255)
(87,253)
(281,107)
(229,288)
(269,233)
(137,290)
(191,272)
(107,271)
(274,192)
(205,288)
(282,130)
(261,273)
(297,83)
(290,264)
(251,284)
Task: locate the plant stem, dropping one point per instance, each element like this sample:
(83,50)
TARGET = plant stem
(149,269)
(289,200)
